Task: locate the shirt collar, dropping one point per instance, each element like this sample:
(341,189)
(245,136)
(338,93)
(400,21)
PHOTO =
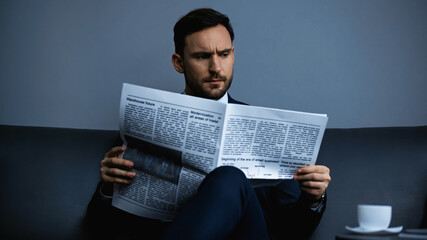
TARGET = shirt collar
(224,98)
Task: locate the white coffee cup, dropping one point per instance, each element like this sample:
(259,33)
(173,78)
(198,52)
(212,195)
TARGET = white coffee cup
(374,217)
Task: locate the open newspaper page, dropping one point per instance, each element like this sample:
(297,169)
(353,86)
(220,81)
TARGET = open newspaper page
(170,156)
(270,143)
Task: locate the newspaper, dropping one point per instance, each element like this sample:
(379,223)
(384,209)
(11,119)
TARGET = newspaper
(175,140)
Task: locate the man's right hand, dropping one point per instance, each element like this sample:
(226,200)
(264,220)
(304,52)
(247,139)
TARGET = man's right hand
(115,170)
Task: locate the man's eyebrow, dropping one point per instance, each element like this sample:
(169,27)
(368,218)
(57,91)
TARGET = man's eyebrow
(226,50)
(201,53)
(210,52)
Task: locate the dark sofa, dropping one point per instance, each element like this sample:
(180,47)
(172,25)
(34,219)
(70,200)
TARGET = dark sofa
(48,176)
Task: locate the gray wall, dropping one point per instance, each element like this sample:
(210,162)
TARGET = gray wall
(364,63)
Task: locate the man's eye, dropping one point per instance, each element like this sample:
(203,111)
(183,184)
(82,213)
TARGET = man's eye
(225,54)
(203,56)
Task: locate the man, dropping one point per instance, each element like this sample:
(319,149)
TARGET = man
(226,205)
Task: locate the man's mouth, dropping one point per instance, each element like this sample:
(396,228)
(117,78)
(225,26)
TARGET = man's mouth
(215,79)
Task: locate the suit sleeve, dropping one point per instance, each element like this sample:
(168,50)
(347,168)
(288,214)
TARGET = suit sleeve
(101,217)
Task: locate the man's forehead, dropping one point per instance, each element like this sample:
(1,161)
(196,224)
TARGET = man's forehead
(207,40)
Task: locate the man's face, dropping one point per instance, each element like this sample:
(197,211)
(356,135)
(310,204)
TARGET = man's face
(207,63)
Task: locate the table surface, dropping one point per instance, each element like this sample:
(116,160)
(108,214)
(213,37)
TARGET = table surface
(350,236)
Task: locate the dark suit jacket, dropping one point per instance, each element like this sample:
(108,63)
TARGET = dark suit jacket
(232,100)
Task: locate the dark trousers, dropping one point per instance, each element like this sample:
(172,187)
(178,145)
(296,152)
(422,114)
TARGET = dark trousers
(225,207)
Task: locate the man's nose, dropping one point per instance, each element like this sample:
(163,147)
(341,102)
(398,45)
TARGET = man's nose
(215,64)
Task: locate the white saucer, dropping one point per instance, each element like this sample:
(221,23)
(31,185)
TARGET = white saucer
(386,231)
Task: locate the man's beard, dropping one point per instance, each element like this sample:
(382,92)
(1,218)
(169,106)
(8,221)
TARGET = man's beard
(200,92)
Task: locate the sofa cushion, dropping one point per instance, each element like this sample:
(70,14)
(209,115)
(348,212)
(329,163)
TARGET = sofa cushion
(48,176)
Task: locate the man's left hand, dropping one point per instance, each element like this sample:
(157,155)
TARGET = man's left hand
(314,180)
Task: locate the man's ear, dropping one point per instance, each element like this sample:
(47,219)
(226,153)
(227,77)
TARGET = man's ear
(178,63)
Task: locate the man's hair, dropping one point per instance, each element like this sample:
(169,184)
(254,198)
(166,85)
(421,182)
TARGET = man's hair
(196,21)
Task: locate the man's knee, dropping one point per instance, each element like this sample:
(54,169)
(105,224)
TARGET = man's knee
(228,174)
(227,180)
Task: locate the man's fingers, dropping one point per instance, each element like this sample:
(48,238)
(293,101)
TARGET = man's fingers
(114,152)
(318,177)
(116,180)
(313,169)
(313,180)
(116,170)
(314,185)
(313,190)
(117,162)
(313,173)
(120,173)
(116,175)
